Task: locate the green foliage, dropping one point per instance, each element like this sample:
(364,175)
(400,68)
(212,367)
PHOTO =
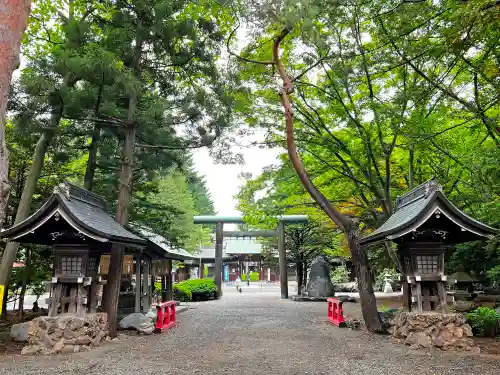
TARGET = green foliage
(484,321)
(244,277)
(205,271)
(379,107)
(196,289)
(182,292)
(254,276)
(340,275)
(494,274)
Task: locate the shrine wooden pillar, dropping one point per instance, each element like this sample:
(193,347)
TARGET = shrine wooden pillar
(137,307)
(146,296)
(219,235)
(282,260)
(168,282)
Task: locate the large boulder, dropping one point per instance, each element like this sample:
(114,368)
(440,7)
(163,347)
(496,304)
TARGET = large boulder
(19,332)
(319,284)
(139,322)
(432,329)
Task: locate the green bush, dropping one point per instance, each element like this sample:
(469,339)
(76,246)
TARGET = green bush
(484,321)
(244,277)
(196,289)
(340,275)
(182,293)
(254,276)
(205,271)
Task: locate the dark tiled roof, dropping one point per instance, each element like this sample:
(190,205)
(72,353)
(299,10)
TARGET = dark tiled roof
(84,209)
(412,207)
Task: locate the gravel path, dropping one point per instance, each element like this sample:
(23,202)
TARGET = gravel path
(253,333)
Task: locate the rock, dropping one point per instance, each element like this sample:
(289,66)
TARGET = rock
(76,349)
(69,341)
(319,284)
(19,332)
(58,333)
(69,334)
(432,329)
(464,306)
(353,323)
(82,340)
(438,341)
(139,322)
(31,349)
(146,328)
(151,314)
(47,340)
(346,298)
(68,349)
(75,323)
(58,346)
(350,287)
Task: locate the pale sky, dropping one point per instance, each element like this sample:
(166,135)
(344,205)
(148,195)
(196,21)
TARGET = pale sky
(223,181)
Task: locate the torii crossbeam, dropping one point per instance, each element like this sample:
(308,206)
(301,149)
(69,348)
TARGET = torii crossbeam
(219,221)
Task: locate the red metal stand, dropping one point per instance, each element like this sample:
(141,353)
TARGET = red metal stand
(335,312)
(165,316)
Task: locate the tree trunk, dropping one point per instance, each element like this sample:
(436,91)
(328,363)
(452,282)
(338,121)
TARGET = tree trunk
(13,21)
(411,172)
(25,282)
(367,296)
(304,272)
(365,285)
(112,291)
(92,161)
(299,275)
(94,144)
(23,210)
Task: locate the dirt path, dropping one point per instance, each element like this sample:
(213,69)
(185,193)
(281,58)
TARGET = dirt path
(252,333)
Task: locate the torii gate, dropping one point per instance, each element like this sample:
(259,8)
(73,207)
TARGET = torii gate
(219,222)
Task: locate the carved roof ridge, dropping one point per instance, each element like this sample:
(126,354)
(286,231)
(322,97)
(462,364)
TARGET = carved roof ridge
(422,191)
(70,191)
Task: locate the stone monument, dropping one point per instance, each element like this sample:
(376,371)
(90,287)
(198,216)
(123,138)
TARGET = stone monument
(320,284)
(388,283)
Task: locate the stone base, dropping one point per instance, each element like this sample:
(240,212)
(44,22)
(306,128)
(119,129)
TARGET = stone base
(308,299)
(433,329)
(66,333)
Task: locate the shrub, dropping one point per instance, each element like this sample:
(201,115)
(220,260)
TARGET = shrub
(205,271)
(254,276)
(244,277)
(182,293)
(340,275)
(484,321)
(199,289)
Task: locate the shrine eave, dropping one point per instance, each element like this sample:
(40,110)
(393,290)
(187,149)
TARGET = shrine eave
(85,214)
(412,215)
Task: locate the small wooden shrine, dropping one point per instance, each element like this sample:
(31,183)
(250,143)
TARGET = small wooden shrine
(423,224)
(75,222)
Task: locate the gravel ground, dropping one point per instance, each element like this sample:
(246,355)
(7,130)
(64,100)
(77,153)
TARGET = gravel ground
(253,333)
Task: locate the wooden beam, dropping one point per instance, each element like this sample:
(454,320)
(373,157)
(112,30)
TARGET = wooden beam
(252,233)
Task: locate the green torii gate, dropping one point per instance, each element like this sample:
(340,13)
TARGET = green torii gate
(219,221)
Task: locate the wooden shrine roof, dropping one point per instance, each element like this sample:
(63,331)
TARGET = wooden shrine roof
(417,207)
(83,210)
